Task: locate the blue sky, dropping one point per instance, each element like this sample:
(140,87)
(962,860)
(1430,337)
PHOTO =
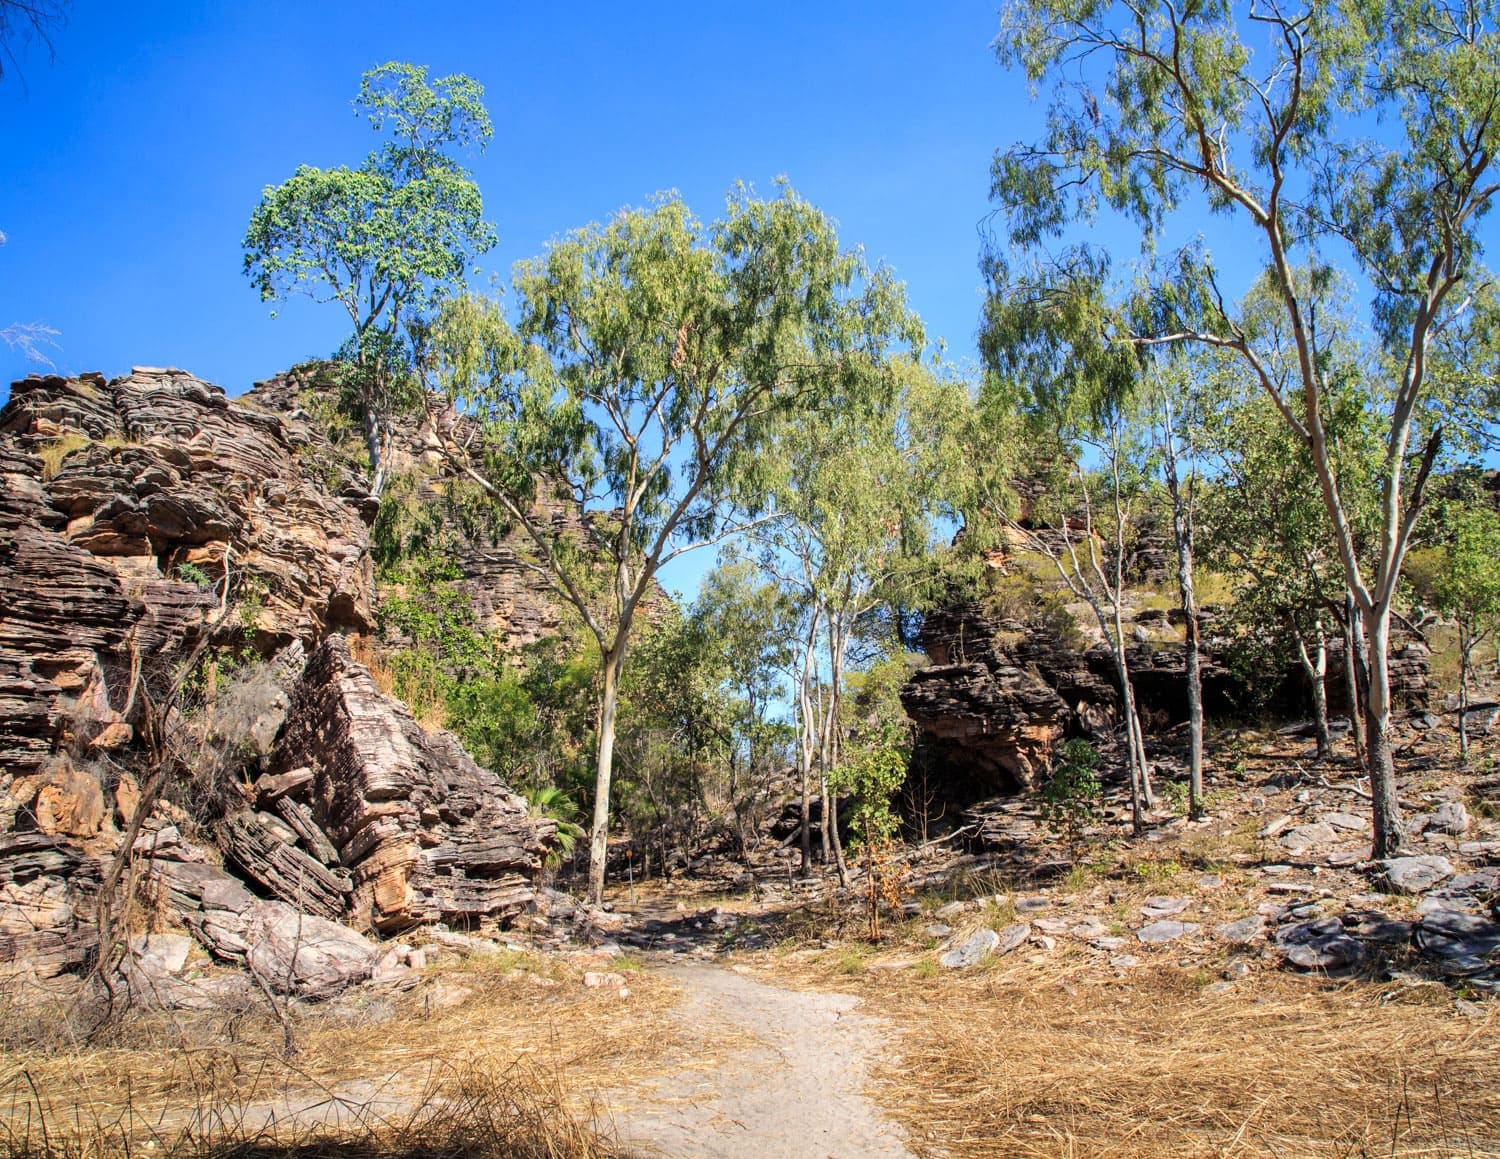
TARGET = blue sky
(133,159)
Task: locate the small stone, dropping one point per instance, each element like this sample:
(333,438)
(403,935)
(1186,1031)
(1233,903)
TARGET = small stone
(1158,933)
(1088,928)
(1218,987)
(1012,936)
(1210,881)
(1345,821)
(599,979)
(938,930)
(1032,904)
(1124,961)
(972,950)
(952,910)
(1451,818)
(1305,837)
(1107,943)
(1275,828)
(1242,932)
(1164,907)
(1045,943)
(1333,952)
(441,995)
(1416,874)
(1237,969)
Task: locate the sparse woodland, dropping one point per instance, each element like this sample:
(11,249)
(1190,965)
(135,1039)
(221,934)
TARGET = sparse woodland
(1117,719)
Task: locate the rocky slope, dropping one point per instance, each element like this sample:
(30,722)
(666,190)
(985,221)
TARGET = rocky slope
(1005,684)
(143,516)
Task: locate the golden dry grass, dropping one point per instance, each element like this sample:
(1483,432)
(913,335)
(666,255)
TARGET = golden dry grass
(1061,1058)
(528,1050)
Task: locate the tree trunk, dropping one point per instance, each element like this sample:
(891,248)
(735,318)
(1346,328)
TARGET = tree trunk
(614,662)
(1465,660)
(1352,679)
(1389,836)
(1182,532)
(1192,652)
(1315,665)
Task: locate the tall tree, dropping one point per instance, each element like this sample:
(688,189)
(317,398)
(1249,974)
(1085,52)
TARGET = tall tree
(653,361)
(1356,132)
(859,490)
(387,241)
(748,622)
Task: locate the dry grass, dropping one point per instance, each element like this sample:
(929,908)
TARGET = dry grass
(55,452)
(513,1070)
(1054,1058)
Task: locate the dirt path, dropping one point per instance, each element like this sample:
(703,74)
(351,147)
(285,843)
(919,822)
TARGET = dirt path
(789,1088)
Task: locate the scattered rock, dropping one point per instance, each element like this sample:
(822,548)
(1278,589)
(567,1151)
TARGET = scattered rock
(1242,932)
(1446,934)
(1347,822)
(1155,908)
(1158,933)
(1305,837)
(1450,817)
(972,950)
(1412,875)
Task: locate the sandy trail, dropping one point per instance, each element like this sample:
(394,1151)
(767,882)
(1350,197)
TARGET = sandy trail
(792,1090)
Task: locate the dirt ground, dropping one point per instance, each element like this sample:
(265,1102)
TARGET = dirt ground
(791,1086)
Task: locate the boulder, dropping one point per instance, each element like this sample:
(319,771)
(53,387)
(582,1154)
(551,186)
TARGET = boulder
(300,954)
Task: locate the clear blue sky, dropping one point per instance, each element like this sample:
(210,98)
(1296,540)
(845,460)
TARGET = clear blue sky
(133,159)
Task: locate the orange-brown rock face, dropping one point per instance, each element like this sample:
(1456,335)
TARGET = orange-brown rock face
(426,833)
(107,491)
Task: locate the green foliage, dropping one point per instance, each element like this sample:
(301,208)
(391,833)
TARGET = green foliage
(191,573)
(387,241)
(873,772)
(553,802)
(1072,798)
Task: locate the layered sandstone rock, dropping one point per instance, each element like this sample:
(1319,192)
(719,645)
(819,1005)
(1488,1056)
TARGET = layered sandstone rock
(426,833)
(122,506)
(125,506)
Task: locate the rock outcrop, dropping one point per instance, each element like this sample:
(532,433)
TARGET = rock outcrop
(137,517)
(1001,691)
(129,512)
(425,833)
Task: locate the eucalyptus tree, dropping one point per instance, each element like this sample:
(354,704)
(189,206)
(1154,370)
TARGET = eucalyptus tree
(750,625)
(388,241)
(1176,394)
(653,362)
(859,490)
(1066,391)
(1353,133)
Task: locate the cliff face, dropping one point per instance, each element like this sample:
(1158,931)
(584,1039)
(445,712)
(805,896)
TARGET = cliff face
(124,504)
(142,516)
